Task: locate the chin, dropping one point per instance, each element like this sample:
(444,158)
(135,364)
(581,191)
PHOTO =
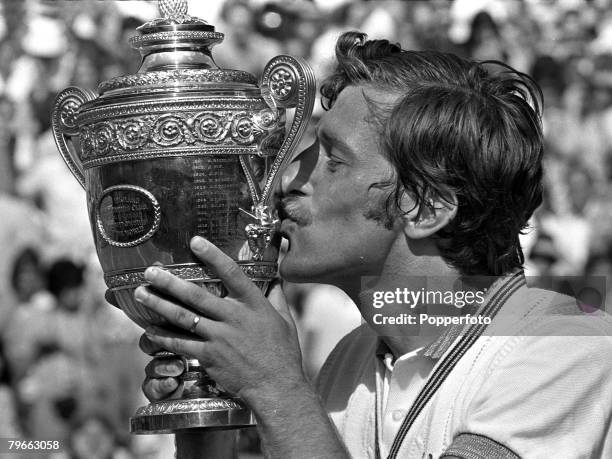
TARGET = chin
(290,272)
(308,271)
(299,271)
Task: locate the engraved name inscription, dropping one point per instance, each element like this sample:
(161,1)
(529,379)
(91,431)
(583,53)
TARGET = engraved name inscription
(217,182)
(127,215)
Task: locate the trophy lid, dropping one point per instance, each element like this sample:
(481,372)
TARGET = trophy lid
(176,55)
(175,18)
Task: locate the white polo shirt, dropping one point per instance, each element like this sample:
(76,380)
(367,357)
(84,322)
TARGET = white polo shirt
(543,389)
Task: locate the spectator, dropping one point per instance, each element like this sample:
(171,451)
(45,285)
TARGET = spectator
(9,421)
(47,47)
(93,437)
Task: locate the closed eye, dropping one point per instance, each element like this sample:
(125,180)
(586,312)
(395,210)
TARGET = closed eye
(332,164)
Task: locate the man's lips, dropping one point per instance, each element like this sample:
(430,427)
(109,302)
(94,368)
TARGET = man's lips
(285,209)
(290,209)
(285,227)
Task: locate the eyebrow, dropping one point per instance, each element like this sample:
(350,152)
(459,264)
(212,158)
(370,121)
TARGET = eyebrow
(330,138)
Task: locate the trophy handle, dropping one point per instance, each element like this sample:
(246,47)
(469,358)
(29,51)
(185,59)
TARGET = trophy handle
(65,128)
(287,82)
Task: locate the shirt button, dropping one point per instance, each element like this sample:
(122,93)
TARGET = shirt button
(398,415)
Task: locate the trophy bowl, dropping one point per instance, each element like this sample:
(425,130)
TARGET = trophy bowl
(178,149)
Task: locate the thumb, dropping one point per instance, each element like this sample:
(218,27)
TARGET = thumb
(276,297)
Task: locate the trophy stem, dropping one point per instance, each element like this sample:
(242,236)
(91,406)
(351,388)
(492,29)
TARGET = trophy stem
(207,443)
(171,416)
(196,382)
(202,405)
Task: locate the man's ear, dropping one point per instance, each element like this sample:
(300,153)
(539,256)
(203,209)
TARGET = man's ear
(434,214)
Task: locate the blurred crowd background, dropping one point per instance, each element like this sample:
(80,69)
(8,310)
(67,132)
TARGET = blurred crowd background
(69,364)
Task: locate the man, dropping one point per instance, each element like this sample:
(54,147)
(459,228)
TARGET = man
(424,170)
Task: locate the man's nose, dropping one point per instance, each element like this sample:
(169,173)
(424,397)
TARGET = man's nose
(296,177)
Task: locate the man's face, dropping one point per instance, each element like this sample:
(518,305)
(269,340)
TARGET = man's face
(329,205)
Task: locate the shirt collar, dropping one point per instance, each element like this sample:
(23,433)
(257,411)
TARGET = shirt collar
(442,343)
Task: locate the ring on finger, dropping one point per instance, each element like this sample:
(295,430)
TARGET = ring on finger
(196,320)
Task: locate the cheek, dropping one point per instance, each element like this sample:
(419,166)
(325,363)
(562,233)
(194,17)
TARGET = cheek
(335,251)
(351,241)
(340,201)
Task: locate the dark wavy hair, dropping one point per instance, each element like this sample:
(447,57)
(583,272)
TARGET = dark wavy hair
(470,128)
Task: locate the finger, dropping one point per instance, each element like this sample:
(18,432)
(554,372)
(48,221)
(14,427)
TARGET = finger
(234,279)
(188,293)
(177,315)
(161,367)
(160,389)
(276,296)
(177,343)
(149,347)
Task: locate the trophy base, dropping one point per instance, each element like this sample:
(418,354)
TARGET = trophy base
(169,416)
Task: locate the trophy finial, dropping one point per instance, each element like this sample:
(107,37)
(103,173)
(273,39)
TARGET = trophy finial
(172,8)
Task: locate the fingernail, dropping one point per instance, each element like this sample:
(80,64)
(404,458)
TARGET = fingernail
(151,272)
(141,294)
(168,382)
(199,243)
(172,368)
(151,331)
(153,338)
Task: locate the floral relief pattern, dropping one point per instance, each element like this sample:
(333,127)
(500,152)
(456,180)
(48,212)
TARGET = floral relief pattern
(258,270)
(68,112)
(179,76)
(224,128)
(282,83)
(186,406)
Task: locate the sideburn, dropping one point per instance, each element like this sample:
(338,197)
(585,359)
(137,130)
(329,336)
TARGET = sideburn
(379,211)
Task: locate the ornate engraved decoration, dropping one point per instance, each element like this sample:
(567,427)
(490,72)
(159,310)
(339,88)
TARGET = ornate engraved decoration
(64,122)
(130,213)
(132,134)
(152,105)
(294,91)
(259,238)
(286,82)
(186,35)
(189,405)
(68,112)
(178,76)
(283,82)
(191,271)
(112,139)
(171,9)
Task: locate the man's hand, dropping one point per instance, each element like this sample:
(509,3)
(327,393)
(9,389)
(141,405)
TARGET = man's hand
(162,374)
(244,343)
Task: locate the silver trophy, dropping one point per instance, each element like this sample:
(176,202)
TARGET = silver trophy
(178,149)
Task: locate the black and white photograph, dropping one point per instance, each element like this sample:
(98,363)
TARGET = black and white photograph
(306,229)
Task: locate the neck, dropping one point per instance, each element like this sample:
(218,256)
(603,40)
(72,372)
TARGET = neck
(412,268)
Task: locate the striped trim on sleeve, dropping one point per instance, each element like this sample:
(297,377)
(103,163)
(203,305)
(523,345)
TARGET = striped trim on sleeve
(474,446)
